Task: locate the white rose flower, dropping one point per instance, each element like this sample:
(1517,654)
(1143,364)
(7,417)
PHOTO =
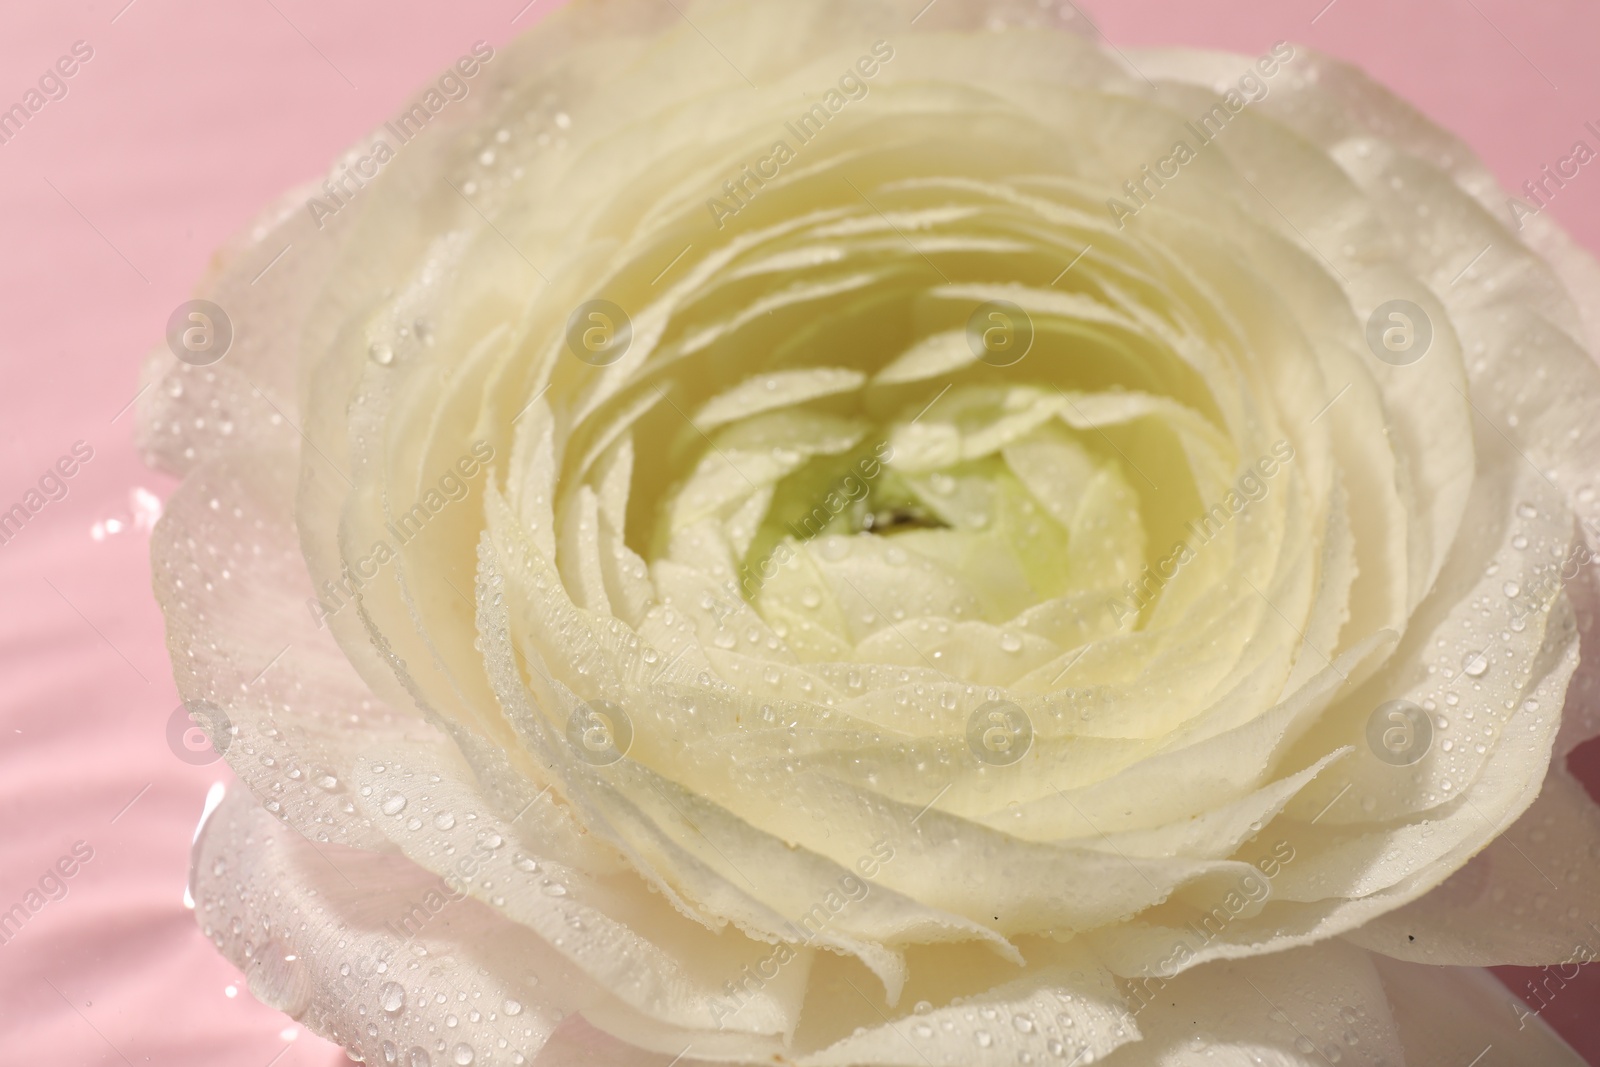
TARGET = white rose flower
(830,533)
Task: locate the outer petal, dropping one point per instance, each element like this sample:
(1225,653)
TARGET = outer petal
(1302,1008)
(1461,1015)
(1532,897)
(377,954)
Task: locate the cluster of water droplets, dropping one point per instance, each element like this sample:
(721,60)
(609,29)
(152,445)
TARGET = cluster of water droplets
(1480,673)
(388,999)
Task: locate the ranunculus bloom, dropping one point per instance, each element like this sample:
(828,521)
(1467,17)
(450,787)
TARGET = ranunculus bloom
(828,533)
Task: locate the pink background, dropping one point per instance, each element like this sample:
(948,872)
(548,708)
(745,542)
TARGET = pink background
(189,118)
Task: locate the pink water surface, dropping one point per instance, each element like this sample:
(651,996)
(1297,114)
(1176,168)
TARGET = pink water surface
(186,120)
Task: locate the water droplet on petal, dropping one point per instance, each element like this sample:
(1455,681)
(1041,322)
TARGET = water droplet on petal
(279,978)
(391,997)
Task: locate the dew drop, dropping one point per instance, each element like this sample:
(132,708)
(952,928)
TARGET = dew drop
(394,804)
(391,997)
(279,978)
